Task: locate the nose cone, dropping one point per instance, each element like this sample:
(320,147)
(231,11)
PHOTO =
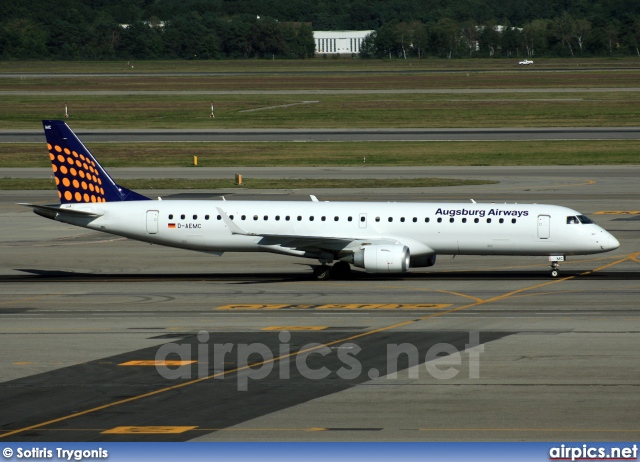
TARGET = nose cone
(611,242)
(608,242)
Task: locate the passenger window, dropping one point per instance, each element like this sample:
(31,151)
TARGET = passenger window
(299,218)
(310,218)
(464,220)
(362,219)
(324,218)
(476,220)
(488,220)
(427,220)
(266,217)
(219,217)
(440,220)
(231,217)
(287,218)
(350,219)
(501,220)
(451,220)
(335,218)
(255,217)
(390,219)
(402,219)
(415,220)
(182,217)
(195,217)
(243,217)
(377,219)
(206,217)
(171,216)
(277,217)
(513,220)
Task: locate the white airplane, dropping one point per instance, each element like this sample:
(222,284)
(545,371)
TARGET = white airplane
(381,237)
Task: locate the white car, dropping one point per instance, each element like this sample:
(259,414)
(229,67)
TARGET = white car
(525,62)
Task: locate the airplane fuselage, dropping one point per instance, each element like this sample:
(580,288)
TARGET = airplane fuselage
(442,228)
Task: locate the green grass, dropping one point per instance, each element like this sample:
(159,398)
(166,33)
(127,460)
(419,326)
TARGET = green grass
(409,110)
(447,153)
(29,99)
(251,183)
(181,110)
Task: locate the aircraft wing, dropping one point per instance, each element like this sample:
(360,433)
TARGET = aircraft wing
(325,242)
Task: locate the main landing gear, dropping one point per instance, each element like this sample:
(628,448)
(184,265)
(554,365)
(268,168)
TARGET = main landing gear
(322,272)
(340,270)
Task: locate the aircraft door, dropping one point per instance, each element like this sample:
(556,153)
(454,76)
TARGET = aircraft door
(362,220)
(152,221)
(543,226)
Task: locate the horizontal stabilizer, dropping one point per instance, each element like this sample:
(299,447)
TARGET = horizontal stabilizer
(51,211)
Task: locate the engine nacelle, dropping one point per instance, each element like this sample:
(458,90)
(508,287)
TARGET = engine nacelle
(383,258)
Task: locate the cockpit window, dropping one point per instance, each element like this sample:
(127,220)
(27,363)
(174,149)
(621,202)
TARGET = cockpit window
(585,220)
(572,220)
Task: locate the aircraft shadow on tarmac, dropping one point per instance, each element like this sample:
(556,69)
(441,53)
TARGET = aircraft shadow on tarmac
(37,275)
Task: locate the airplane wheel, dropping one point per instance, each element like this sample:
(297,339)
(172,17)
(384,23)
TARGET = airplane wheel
(322,273)
(555,273)
(341,270)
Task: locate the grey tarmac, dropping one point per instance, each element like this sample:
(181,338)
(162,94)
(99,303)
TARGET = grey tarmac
(558,359)
(325,135)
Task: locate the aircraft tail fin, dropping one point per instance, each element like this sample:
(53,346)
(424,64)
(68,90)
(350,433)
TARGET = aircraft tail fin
(79,176)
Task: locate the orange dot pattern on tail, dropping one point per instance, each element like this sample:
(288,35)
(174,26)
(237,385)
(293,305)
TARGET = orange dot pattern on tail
(67,165)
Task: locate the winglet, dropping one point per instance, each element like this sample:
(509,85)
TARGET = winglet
(235,229)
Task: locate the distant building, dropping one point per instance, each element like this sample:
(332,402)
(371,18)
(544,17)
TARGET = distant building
(334,42)
(154,24)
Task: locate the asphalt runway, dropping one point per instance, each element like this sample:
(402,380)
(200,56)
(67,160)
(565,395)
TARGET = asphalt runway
(324,135)
(366,91)
(40,75)
(524,184)
(494,350)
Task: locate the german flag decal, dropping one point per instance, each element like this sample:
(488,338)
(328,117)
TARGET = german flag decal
(172,225)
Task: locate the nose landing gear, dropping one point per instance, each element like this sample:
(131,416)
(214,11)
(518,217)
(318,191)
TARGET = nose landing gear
(555,261)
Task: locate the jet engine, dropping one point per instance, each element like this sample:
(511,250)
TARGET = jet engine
(392,258)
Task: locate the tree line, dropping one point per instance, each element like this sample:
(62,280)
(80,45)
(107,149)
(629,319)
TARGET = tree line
(564,36)
(213,29)
(74,34)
